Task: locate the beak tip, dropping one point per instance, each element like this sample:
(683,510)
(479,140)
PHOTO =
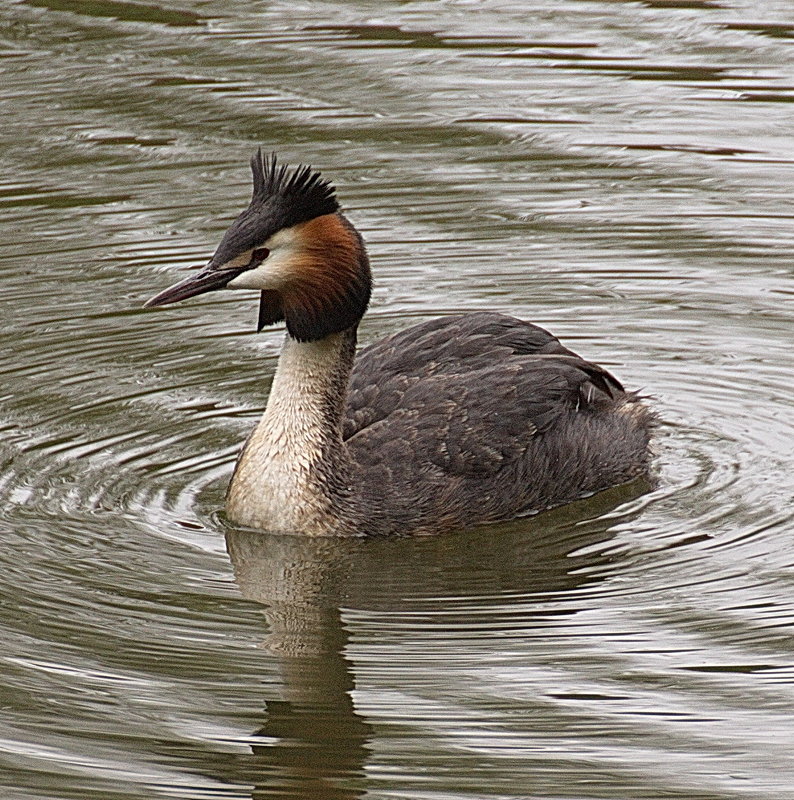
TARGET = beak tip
(157,300)
(208,280)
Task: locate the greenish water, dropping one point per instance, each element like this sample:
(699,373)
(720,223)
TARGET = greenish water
(620,172)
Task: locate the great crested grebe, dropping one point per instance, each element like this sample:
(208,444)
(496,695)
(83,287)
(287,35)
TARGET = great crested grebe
(463,420)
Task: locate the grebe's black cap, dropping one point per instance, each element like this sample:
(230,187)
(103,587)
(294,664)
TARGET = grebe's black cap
(282,197)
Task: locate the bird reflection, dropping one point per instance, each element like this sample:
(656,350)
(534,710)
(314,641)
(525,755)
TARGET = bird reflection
(314,743)
(320,742)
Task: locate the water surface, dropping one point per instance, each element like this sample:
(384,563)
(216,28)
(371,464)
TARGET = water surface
(620,172)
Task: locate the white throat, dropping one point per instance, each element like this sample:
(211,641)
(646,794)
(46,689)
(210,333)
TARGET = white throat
(282,476)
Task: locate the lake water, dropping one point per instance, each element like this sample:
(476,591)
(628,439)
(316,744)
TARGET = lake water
(620,172)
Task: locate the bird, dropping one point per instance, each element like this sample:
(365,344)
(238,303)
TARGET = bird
(463,420)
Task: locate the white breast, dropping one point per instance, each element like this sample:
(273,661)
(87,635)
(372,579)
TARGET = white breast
(277,484)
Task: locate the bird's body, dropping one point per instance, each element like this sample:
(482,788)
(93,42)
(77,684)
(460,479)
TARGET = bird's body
(463,420)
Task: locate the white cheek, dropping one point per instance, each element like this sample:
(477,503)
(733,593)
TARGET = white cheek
(272,274)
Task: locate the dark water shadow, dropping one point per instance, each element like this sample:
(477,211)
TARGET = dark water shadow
(123,11)
(314,742)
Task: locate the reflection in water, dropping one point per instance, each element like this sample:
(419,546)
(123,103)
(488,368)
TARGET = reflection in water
(319,741)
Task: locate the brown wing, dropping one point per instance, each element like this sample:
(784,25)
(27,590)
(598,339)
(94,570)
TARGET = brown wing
(463,395)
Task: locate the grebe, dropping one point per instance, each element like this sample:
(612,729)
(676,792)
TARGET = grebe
(463,420)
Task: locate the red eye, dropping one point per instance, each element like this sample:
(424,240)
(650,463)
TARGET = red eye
(259,255)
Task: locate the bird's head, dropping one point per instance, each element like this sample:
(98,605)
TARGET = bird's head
(294,246)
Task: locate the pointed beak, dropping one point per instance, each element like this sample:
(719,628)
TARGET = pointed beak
(208,280)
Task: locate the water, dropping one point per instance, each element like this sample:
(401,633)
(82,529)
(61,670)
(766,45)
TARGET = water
(619,172)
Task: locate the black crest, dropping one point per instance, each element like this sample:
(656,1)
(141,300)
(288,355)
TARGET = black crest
(300,193)
(282,197)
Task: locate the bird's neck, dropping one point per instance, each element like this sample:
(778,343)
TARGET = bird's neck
(293,473)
